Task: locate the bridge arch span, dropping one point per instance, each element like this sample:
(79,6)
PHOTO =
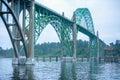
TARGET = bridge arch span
(85,13)
(62,30)
(43,22)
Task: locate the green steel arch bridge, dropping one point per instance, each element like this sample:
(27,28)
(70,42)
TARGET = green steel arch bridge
(35,17)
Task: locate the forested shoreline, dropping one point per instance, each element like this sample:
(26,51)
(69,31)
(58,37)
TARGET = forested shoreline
(50,49)
(54,49)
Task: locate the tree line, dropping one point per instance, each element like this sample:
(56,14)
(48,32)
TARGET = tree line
(54,49)
(115,49)
(50,49)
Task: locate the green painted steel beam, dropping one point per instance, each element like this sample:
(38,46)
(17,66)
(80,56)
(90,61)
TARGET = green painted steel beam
(62,27)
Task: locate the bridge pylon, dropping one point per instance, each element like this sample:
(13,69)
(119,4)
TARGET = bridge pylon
(22,6)
(31,33)
(74,36)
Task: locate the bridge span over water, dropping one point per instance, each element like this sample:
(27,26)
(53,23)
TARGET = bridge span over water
(35,17)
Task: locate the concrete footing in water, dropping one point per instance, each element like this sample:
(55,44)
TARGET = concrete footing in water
(22,61)
(68,59)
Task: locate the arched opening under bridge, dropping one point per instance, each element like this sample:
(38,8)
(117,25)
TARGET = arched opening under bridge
(82,45)
(5,42)
(4,38)
(48,43)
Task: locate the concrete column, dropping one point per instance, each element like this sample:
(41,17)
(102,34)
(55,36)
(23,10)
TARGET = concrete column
(24,14)
(16,7)
(62,43)
(74,36)
(98,54)
(31,34)
(31,29)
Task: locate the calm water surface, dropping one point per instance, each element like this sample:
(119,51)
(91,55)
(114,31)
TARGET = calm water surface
(59,71)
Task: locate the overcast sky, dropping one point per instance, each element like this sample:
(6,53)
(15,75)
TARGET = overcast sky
(105,14)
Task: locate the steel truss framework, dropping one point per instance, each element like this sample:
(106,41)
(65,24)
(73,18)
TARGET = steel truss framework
(94,43)
(63,27)
(9,18)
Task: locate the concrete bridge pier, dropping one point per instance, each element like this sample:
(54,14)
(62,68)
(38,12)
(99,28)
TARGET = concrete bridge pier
(74,37)
(23,61)
(29,35)
(30,57)
(98,52)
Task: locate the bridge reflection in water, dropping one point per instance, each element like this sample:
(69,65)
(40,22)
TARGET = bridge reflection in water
(59,71)
(53,71)
(23,72)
